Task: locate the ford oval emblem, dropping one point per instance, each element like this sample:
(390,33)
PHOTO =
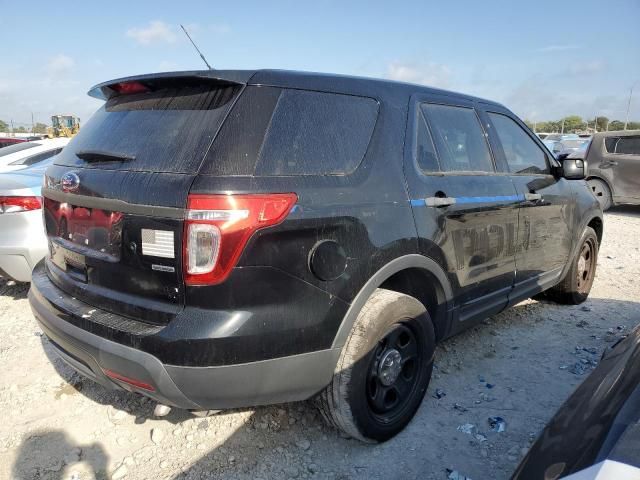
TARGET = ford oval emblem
(70,182)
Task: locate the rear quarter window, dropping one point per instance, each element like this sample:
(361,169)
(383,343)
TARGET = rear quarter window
(287,132)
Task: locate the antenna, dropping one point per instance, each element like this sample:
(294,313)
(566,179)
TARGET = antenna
(196,47)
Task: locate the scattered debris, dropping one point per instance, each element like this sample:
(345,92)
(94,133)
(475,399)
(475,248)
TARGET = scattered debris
(480,437)
(157,435)
(489,385)
(439,393)
(578,368)
(455,475)
(582,324)
(303,444)
(497,424)
(460,408)
(467,428)
(585,308)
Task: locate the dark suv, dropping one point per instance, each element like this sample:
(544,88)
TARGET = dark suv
(225,239)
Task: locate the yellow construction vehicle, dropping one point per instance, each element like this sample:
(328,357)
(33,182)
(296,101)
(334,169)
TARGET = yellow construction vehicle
(63,126)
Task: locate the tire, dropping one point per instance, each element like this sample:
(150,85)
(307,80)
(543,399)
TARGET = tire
(602,193)
(575,287)
(363,399)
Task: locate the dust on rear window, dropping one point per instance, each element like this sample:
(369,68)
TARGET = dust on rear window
(166,130)
(287,132)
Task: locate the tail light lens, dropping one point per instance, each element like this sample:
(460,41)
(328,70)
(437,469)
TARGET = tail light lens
(19,204)
(217,228)
(129,88)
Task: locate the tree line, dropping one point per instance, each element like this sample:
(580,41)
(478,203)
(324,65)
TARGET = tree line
(575,124)
(37,128)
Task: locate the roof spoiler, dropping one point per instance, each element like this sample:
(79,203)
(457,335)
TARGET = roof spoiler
(135,84)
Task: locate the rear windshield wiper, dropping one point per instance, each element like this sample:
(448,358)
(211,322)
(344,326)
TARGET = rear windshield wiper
(102,156)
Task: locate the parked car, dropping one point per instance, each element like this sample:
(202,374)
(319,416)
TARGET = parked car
(567,146)
(597,430)
(613,163)
(319,245)
(8,141)
(23,242)
(559,137)
(26,154)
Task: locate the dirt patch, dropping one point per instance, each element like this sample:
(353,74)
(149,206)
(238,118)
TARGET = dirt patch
(519,366)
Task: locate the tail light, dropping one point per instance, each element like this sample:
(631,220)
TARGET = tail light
(19,204)
(129,88)
(217,228)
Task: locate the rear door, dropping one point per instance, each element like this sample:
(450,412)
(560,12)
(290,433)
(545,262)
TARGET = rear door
(622,159)
(114,199)
(460,204)
(547,207)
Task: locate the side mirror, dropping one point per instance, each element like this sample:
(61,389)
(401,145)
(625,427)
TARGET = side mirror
(572,168)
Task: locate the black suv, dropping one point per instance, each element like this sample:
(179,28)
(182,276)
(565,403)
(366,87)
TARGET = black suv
(224,239)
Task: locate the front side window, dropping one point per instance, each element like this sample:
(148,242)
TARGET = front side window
(523,155)
(459,138)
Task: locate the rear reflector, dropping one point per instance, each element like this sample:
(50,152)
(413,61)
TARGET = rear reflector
(19,204)
(217,228)
(131,381)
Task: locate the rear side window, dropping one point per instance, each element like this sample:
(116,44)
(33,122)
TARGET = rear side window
(459,138)
(610,144)
(623,145)
(167,129)
(33,159)
(286,132)
(18,147)
(522,154)
(425,154)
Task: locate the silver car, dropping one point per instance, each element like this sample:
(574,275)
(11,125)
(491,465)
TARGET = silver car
(23,242)
(613,162)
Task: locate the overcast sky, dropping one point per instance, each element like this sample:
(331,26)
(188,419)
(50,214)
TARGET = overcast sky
(542,59)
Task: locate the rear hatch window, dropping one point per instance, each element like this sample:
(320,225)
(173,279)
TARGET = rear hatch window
(167,128)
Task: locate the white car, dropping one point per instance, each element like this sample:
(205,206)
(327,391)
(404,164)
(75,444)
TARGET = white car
(26,154)
(23,241)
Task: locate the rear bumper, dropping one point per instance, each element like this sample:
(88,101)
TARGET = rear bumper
(276,380)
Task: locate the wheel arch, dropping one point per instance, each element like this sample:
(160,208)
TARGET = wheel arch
(602,179)
(415,275)
(598,226)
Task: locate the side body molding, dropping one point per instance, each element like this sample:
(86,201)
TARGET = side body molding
(377,279)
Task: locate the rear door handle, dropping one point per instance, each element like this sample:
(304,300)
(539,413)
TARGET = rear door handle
(440,201)
(532,197)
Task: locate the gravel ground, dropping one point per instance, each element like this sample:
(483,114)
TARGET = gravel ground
(519,365)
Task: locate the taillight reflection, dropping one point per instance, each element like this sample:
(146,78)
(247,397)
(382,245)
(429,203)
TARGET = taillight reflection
(16,204)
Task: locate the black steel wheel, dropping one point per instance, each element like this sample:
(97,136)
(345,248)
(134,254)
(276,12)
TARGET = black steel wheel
(586,266)
(393,371)
(384,368)
(576,285)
